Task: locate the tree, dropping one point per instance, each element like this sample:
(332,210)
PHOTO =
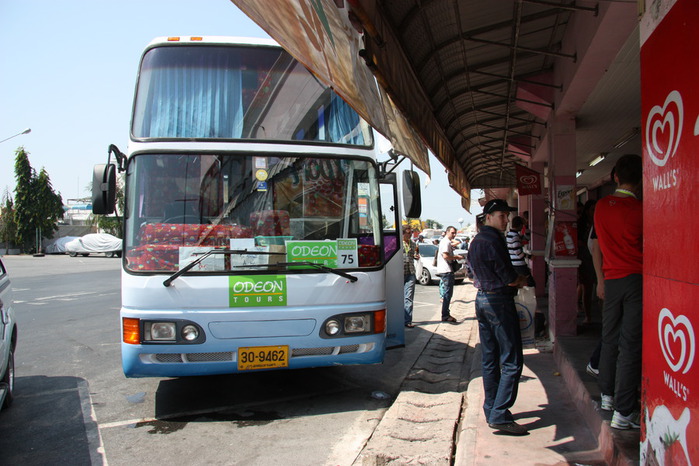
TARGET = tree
(8,227)
(49,205)
(429,223)
(37,206)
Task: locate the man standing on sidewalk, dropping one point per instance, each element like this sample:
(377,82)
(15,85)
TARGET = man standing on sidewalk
(619,228)
(445,259)
(498,321)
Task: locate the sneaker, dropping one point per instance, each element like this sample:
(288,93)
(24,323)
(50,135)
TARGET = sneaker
(619,421)
(591,370)
(607,403)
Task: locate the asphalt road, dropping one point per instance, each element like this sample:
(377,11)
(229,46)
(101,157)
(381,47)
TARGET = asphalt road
(74,406)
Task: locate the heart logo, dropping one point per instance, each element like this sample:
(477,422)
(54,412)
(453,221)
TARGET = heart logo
(663,129)
(676,340)
(527,179)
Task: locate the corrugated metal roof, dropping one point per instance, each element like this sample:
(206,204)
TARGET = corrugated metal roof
(478,79)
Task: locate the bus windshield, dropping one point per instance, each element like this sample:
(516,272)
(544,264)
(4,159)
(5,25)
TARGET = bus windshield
(239,93)
(179,205)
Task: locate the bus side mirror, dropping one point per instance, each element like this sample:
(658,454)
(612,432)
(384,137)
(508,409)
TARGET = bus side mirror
(104,189)
(412,202)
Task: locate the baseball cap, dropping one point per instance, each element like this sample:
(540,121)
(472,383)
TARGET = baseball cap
(497,205)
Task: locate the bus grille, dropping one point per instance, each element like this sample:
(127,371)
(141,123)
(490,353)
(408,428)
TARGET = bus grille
(207,357)
(167,357)
(170,358)
(324,351)
(194,357)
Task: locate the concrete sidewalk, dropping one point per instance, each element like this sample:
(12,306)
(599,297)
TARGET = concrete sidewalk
(437,418)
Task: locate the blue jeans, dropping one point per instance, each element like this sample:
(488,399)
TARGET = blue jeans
(446,290)
(501,347)
(408,294)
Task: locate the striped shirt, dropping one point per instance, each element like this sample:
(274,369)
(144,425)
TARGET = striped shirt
(514,247)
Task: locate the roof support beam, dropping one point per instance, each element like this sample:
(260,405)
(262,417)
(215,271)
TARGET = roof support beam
(523,49)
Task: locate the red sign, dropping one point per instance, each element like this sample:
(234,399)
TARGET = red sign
(528,181)
(565,239)
(670,124)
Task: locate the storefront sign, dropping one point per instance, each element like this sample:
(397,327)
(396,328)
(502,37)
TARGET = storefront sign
(528,181)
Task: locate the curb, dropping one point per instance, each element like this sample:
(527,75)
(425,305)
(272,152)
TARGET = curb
(610,442)
(421,425)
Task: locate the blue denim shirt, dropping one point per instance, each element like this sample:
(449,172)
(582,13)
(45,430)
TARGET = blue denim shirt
(490,262)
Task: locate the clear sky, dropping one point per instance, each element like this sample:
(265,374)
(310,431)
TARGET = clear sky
(68,70)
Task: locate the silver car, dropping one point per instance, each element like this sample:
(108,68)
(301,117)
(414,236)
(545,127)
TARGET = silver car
(426,271)
(8,339)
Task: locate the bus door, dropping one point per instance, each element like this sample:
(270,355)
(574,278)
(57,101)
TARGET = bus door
(393,253)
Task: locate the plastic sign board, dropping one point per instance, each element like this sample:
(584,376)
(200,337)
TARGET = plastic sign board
(257,290)
(670,141)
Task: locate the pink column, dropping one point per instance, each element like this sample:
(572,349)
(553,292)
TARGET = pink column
(563,262)
(537,226)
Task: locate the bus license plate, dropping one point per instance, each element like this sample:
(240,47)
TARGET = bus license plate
(263,357)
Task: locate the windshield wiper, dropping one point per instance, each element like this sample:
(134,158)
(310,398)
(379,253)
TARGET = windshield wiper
(227,252)
(322,267)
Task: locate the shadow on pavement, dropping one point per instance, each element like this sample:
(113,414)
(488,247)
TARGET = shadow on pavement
(49,422)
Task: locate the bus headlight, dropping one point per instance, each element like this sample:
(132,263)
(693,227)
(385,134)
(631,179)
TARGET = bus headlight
(190,332)
(161,331)
(332,327)
(357,324)
(352,325)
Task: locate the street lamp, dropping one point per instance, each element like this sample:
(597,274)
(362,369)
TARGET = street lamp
(28,130)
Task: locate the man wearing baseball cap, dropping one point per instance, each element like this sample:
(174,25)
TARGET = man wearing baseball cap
(498,321)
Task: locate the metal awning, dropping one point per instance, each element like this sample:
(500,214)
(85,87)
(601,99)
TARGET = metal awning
(475,79)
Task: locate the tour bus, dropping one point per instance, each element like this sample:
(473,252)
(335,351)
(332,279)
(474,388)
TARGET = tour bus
(261,228)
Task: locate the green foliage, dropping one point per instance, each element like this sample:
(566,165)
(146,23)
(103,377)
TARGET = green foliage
(429,223)
(36,206)
(8,227)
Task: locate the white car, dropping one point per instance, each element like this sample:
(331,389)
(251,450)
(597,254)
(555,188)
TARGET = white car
(94,243)
(426,272)
(8,340)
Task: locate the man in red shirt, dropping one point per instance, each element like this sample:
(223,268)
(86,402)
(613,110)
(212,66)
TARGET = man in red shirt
(619,228)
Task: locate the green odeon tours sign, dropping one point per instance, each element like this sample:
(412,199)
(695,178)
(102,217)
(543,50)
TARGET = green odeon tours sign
(257,291)
(320,252)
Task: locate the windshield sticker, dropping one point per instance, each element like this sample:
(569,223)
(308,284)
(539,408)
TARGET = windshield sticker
(347,256)
(319,252)
(257,291)
(210,264)
(242,260)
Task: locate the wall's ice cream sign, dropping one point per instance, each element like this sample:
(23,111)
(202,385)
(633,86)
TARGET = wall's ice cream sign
(257,291)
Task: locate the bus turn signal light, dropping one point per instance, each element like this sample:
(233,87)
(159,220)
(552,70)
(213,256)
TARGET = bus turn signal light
(131,331)
(380,321)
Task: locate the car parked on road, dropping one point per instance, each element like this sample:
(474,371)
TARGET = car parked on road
(426,271)
(8,340)
(95,243)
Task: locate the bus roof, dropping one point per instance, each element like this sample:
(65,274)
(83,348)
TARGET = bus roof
(212,40)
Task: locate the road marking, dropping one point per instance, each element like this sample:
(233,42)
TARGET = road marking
(109,425)
(66,297)
(422,303)
(92,431)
